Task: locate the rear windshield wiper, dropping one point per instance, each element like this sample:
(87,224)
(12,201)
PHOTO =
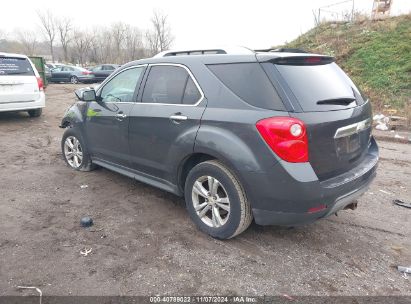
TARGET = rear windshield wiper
(344,101)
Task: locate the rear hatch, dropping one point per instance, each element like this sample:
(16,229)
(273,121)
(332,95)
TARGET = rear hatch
(337,117)
(18,82)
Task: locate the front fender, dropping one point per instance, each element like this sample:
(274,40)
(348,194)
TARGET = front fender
(75,115)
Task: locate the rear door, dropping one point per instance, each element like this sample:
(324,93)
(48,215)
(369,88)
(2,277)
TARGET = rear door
(98,73)
(67,72)
(107,70)
(337,117)
(18,82)
(108,118)
(164,124)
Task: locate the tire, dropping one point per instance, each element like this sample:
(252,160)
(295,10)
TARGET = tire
(74,80)
(80,160)
(35,112)
(234,217)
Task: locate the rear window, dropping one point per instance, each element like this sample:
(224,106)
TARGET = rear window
(321,87)
(249,82)
(15,66)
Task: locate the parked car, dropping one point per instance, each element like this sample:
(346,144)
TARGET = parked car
(102,71)
(54,65)
(21,87)
(47,72)
(284,138)
(71,74)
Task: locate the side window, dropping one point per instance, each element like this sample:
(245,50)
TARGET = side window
(108,68)
(249,82)
(191,93)
(96,69)
(170,85)
(121,88)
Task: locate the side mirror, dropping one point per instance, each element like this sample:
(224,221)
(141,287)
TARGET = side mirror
(86,94)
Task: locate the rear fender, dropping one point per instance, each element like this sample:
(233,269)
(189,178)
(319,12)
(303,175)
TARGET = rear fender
(227,147)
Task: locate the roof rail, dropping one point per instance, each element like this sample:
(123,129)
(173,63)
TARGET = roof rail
(211,51)
(283,50)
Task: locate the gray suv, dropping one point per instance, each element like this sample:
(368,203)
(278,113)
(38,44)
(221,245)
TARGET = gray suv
(281,138)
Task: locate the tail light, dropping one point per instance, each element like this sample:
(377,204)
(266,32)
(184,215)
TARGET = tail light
(286,136)
(40,83)
(86,73)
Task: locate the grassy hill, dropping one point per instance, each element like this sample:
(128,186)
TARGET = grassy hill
(376,54)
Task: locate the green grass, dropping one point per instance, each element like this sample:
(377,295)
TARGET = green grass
(377,56)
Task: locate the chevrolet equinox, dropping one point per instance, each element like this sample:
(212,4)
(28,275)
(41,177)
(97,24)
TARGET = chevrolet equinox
(282,138)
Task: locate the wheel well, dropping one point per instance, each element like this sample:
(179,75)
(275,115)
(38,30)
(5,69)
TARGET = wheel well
(65,124)
(190,163)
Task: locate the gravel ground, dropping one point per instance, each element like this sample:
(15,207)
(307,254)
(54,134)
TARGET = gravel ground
(143,242)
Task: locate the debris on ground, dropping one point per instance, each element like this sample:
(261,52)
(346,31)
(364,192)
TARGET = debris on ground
(84,186)
(398,122)
(32,287)
(381,121)
(86,221)
(386,192)
(402,203)
(399,136)
(397,248)
(404,269)
(86,251)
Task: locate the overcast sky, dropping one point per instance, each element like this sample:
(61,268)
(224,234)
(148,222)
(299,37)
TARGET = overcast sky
(251,23)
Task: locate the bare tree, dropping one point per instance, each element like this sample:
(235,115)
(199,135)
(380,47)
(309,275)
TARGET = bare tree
(49,28)
(159,38)
(133,43)
(118,31)
(82,43)
(64,28)
(28,40)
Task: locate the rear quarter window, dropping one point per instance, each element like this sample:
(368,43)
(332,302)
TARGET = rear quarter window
(249,82)
(15,66)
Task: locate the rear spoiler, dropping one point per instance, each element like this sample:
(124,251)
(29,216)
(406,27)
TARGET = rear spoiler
(282,50)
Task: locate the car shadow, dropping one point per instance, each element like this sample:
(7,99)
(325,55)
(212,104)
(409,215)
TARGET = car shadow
(13,116)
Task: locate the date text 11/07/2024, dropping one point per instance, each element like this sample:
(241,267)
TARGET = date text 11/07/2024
(203,299)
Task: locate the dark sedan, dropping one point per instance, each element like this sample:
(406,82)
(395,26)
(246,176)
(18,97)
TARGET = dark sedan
(71,74)
(102,71)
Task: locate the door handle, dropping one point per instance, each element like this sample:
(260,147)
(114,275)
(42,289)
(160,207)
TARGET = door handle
(120,116)
(178,118)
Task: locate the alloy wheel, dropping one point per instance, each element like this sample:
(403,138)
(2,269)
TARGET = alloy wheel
(211,201)
(73,152)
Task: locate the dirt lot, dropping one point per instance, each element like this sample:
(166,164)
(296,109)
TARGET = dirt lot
(145,244)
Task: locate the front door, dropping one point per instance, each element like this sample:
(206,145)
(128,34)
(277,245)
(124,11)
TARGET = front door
(57,74)
(108,118)
(164,124)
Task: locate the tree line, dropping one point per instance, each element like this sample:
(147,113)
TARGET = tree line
(61,40)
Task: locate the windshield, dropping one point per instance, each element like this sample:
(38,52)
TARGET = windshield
(15,66)
(322,87)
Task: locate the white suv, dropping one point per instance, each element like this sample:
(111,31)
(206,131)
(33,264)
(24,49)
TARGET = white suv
(21,87)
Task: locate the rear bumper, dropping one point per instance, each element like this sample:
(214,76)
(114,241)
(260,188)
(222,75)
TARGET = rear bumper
(284,196)
(24,106)
(267,217)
